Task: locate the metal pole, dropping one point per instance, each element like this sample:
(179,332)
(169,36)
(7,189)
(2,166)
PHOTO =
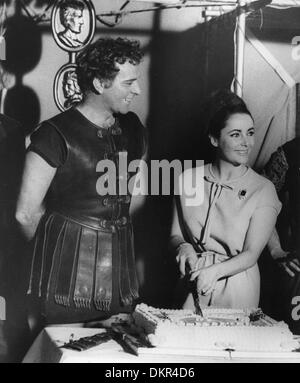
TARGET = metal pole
(240,48)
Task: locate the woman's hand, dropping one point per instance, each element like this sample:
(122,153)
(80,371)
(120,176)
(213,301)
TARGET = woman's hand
(206,279)
(278,253)
(186,258)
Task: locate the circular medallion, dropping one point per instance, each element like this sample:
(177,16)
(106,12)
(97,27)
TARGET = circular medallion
(73,24)
(66,90)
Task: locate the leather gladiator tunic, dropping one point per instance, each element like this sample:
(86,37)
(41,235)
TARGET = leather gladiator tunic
(83,256)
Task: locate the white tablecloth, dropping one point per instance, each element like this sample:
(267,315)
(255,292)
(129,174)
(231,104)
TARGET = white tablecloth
(47,349)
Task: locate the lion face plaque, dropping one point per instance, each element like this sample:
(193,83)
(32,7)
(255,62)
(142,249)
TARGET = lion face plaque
(66,90)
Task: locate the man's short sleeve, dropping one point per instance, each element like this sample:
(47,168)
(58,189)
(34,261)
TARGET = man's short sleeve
(141,136)
(137,135)
(48,143)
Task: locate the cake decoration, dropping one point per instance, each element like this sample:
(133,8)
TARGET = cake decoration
(218,329)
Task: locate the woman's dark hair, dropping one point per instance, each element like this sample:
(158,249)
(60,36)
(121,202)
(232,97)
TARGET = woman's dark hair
(221,106)
(99,60)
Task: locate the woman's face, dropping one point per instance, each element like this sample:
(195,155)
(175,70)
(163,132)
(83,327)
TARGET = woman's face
(236,139)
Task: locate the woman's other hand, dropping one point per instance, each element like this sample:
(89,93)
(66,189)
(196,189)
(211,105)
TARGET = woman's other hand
(186,258)
(286,260)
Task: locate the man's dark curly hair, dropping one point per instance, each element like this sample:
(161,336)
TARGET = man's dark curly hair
(99,60)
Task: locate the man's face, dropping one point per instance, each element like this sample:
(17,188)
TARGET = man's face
(117,98)
(75,20)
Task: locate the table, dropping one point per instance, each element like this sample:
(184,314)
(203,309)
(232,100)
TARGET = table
(47,349)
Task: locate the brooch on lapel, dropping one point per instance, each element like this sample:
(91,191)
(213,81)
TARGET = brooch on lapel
(242,194)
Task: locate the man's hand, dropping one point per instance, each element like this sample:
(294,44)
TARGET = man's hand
(289,263)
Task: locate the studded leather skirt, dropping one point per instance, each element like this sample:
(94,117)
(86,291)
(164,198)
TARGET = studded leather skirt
(84,264)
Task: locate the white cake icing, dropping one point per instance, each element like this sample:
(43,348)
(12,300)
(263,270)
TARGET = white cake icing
(219,329)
